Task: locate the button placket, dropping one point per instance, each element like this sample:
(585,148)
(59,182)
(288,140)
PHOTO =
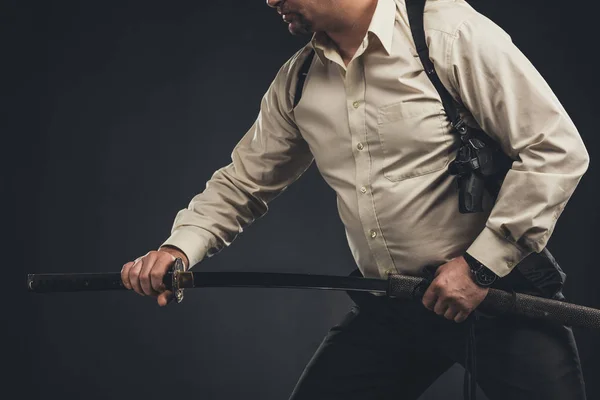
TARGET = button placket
(355,91)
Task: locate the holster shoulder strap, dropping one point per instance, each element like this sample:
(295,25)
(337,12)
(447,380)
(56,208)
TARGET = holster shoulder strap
(415,9)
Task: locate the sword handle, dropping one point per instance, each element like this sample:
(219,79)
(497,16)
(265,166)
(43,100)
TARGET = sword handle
(510,303)
(501,302)
(406,287)
(84,282)
(47,283)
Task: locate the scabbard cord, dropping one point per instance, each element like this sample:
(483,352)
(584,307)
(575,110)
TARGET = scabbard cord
(470,378)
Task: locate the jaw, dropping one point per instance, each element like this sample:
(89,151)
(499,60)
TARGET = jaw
(299,25)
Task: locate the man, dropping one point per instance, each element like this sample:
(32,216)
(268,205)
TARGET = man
(376,128)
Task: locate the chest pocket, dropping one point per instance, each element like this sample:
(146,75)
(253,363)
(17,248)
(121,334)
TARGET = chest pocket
(414,139)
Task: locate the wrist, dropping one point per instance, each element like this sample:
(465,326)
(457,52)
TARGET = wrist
(175,252)
(481,275)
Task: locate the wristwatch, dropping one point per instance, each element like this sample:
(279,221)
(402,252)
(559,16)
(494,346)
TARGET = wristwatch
(482,275)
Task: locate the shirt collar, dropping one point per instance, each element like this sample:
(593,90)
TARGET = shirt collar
(382,27)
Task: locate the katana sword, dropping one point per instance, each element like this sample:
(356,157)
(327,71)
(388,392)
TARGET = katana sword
(497,302)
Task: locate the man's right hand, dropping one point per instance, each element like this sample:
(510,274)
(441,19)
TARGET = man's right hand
(145,274)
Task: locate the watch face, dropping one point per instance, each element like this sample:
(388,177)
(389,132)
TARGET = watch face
(485,278)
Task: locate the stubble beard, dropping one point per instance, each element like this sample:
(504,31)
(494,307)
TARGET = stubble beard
(300,26)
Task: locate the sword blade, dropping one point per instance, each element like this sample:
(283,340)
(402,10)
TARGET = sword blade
(281,280)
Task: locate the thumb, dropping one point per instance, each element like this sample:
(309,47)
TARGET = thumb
(164,298)
(439,268)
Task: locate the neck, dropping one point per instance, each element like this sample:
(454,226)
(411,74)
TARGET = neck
(352,27)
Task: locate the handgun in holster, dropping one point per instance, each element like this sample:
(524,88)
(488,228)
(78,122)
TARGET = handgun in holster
(479,164)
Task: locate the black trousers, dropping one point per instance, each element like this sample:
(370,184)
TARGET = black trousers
(395,349)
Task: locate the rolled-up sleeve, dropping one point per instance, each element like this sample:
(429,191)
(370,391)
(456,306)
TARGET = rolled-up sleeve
(512,103)
(269,157)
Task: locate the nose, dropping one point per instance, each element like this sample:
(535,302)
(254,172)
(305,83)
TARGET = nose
(273,3)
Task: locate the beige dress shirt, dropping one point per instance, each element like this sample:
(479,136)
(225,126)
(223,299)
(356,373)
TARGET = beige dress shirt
(379,136)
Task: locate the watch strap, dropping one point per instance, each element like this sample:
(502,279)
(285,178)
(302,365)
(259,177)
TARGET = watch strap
(482,275)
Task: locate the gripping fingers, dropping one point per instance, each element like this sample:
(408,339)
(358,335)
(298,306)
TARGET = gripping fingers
(441,307)
(461,317)
(451,313)
(429,298)
(134,276)
(145,275)
(125,274)
(161,266)
(146,271)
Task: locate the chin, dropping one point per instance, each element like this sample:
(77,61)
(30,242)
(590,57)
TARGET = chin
(299,30)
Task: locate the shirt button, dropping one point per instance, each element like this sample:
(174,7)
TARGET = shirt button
(360,146)
(373,234)
(355,104)
(363,190)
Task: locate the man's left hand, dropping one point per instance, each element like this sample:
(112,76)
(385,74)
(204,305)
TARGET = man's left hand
(453,294)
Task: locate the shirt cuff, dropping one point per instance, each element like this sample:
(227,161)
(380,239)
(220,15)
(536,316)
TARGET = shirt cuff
(195,244)
(496,252)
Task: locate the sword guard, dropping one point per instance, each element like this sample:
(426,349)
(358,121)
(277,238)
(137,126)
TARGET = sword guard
(176,270)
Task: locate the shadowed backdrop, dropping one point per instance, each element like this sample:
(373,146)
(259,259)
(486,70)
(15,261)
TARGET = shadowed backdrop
(116,115)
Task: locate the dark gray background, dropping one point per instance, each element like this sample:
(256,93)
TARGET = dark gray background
(116,113)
